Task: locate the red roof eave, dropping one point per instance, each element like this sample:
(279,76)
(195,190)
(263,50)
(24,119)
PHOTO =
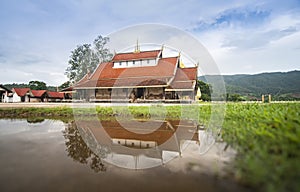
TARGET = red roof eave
(136,56)
(38,93)
(21,91)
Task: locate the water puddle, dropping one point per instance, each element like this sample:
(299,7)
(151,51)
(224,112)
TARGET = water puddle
(129,155)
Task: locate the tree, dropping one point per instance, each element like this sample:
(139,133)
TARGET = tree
(79,62)
(102,54)
(85,58)
(65,85)
(205,90)
(37,85)
(234,97)
(79,151)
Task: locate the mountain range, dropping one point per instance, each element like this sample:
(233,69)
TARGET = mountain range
(281,85)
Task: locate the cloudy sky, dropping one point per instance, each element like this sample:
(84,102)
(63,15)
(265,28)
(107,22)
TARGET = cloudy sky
(248,37)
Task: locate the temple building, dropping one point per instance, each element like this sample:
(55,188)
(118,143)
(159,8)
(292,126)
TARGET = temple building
(139,76)
(134,144)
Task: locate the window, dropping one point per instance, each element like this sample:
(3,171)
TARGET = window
(126,63)
(133,62)
(120,64)
(148,61)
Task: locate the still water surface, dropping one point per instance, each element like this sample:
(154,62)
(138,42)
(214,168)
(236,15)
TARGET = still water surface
(52,155)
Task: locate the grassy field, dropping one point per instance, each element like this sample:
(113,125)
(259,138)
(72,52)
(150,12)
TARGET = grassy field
(266,136)
(267,139)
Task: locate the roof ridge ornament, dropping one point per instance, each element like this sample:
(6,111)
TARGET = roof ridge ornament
(137,47)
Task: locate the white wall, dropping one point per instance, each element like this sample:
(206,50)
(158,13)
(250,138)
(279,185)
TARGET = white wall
(35,100)
(6,99)
(136,143)
(16,98)
(27,99)
(135,63)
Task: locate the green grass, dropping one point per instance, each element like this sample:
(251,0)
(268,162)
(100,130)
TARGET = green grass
(266,136)
(33,111)
(267,139)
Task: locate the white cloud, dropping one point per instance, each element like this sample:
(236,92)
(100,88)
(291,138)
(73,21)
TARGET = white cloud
(243,36)
(269,46)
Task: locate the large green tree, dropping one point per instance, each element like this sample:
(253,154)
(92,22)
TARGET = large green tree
(78,149)
(37,85)
(85,58)
(205,90)
(65,85)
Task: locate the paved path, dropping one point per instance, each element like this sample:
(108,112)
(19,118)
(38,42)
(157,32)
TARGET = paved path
(19,105)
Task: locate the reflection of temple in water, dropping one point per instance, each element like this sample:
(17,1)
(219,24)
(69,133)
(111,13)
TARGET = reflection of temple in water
(138,144)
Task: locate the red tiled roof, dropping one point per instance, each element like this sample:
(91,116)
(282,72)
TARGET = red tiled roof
(21,91)
(165,67)
(190,73)
(56,95)
(162,74)
(182,85)
(136,56)
(184,79)
(117,131)
(83,79)
(38,93)
(107,76)
(126,82)
(186,74)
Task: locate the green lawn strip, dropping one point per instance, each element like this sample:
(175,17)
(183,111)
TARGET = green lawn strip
(34,111)
(267,139)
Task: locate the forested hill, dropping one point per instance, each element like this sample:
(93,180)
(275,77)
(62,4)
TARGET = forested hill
(281,85)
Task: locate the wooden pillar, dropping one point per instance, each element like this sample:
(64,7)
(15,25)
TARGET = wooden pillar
(262,98)
(270,98)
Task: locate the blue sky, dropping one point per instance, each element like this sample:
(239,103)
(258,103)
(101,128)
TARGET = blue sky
(242,36)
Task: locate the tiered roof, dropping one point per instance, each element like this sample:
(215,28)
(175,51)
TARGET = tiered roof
(114,129)
(167,73)
(184,79)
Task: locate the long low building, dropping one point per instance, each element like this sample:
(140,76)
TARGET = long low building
(139,76)
(27,95)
